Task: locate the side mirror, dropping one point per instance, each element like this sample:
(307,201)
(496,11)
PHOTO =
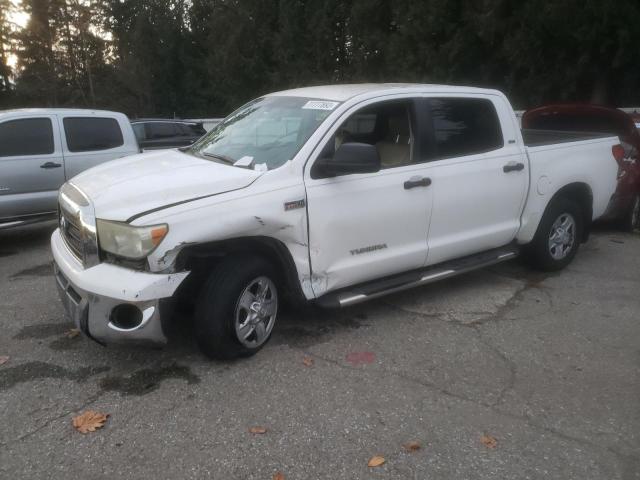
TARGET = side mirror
(351,158)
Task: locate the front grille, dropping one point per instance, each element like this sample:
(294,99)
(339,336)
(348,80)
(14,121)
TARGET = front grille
(78,225)
(72,233)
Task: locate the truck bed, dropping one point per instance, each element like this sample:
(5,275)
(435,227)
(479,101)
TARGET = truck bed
(537,138)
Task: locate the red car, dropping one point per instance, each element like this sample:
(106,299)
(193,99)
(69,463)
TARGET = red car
(625,205)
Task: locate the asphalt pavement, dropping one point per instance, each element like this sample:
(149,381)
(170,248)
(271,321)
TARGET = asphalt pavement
(503,373)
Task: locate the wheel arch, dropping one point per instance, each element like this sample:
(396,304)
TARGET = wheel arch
(200,259)
(580,193)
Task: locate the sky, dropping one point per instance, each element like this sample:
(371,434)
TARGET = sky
(20,18)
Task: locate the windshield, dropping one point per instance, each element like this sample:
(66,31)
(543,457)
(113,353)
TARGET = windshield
(265,133)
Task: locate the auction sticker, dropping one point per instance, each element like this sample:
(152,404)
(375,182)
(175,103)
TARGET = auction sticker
(320,105)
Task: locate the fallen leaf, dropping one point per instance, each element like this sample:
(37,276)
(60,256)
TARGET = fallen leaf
(412,446)
(72,333)
(376,461)
(4,359)
(308,361)
(278,476)
(89,421)
(257,430)
(489,441)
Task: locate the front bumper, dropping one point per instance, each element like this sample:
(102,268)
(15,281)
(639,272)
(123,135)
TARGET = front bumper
(90,296)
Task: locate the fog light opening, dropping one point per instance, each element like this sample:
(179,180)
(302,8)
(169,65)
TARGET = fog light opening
(126,317)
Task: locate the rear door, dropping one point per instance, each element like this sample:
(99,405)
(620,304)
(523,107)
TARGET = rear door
(90,140)
(31,166)
(366,226)
(479,175)
(191,132)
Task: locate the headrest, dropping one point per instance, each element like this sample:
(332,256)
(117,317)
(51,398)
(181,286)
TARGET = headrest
(398,128)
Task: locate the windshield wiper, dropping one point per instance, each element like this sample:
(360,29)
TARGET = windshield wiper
(224,158)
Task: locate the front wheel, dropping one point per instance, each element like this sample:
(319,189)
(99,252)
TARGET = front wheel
(237,308)
(558,237)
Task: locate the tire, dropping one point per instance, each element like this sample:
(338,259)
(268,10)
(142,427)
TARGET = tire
(229,311)
(558,237)
(631,221)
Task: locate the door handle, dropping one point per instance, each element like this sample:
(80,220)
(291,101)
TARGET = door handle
(50,165)
(414,182)
(513,167)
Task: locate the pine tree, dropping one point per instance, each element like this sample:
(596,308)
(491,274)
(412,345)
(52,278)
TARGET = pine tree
(6,34)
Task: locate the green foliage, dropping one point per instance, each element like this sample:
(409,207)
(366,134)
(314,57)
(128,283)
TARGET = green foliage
(206,57)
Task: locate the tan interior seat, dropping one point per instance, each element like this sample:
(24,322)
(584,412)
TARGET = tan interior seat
(395,149)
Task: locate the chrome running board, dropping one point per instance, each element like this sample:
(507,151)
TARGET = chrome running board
(396,283)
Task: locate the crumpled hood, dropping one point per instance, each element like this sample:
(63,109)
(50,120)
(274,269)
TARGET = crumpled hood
(132,185)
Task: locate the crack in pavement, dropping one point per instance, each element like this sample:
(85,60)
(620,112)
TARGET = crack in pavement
(511,382)
(629,463)
(91,400)
(624,459)
(139,382)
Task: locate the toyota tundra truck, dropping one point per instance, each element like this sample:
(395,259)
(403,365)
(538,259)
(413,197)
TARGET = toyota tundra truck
(331,194)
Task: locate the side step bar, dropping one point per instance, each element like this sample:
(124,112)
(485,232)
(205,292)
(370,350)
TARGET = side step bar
(378,288)
(27,220)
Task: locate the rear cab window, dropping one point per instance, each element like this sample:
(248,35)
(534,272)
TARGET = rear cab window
(158,130)
(192,129)
(463,126)
(89,134)
(26,137)
(138,130)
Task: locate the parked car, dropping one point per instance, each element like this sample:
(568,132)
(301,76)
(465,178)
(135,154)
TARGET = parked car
(596,118)
(42,148)
(336,195)
(155,133)
(636,118)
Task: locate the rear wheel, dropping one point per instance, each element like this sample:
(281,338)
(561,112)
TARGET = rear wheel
(558,237)
(632,219)
(237,308)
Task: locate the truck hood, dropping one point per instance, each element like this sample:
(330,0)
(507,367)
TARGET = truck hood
(122,189)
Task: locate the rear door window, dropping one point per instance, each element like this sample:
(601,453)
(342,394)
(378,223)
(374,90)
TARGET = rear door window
(26,136)
(88,134)
(464,126)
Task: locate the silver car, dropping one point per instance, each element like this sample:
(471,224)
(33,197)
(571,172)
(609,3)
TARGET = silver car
(40,149)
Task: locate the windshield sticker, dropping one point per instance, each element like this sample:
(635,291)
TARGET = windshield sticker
(320,105)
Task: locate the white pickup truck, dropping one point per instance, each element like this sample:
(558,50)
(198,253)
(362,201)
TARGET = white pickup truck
(334,194)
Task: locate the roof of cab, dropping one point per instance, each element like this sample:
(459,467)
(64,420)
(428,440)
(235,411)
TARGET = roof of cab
(165,120)
(63,111)
(341,93)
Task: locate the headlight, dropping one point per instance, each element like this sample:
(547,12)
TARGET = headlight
(127,241)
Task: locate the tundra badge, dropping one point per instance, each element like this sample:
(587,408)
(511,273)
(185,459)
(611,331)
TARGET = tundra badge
(371,248)
(293,205)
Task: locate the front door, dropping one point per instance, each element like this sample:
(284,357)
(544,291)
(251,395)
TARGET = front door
(365,226)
